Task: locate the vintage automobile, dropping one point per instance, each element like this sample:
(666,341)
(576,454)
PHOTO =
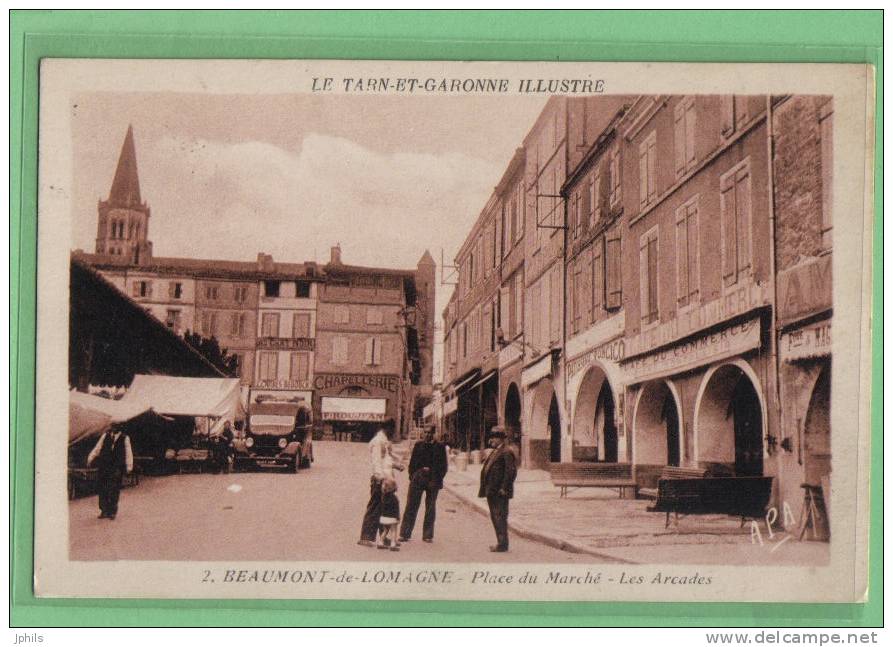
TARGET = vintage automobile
(277,434)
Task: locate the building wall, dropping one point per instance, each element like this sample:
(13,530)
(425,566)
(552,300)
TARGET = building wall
(161,299)
(233,304)
(284,344)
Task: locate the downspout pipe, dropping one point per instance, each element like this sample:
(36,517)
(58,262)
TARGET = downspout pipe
(773,264)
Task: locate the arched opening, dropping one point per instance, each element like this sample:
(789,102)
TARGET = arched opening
(554,431)
(595,424)
(817,431)
(729,422)
(656,425)
(512,413)
(543,429)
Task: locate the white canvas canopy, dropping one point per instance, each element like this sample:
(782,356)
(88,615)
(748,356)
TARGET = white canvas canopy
(186,396)
(90,415)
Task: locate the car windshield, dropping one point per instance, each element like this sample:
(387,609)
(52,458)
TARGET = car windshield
(269,425)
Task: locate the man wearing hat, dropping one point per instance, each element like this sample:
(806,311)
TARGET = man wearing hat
(427,467)
(113,457)
(497,485)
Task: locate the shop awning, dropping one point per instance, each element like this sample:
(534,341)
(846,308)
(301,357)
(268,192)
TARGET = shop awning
(186,396)
(486,377)
(354,409)
(463,384)
(91,415)
(450,406)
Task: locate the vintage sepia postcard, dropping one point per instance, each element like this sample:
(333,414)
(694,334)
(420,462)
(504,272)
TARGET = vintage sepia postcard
(460,331)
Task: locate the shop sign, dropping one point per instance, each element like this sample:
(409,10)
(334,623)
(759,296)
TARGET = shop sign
(286,343)
(537,371)
(805,289)
(324,381)
(809,341)
(730,305)
(354,409)
(611,352)
(695,352)
(284,385)
(609,328)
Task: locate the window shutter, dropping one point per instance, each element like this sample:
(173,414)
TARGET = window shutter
(586,287)
(727,113)
(728,211)
(693,237)
(652,278)
(555,312)
(598,277)
(742,203)
(614,296)
(643,277)
(690,124)
(652,169)
(682,269)
(586,205)
(370,349)
(679,138)
(643,174)
(572,312)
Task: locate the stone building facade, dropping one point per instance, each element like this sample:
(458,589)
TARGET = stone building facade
(282,320)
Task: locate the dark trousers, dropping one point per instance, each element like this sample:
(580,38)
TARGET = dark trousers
(108,487)
(499,515)
(373,512)
(413,501)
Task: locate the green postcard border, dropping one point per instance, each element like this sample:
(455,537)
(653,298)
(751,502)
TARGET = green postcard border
(719,36)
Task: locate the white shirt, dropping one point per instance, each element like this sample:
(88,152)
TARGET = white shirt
(128,452)
(379,448)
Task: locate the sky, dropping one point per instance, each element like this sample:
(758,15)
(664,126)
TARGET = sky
(228,176)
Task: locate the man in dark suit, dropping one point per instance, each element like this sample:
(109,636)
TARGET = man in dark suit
(113,457)
(497,485)
(427,467)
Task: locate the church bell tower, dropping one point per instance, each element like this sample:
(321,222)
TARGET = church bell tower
(123,226)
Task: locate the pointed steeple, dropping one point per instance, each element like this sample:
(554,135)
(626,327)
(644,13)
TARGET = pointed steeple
(126,185)
(426,260)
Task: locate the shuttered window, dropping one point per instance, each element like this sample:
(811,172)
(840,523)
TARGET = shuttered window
(301,325)
(300,367)
(648,170)
(269,324)
(373,352)
(684,136)
(735,207)
(595,196)
(578,293)
(614,171)
(648,266)
(687,241)
(268,365)
(613,276)
(598,278)
(518,312)
(339,351)
(727,114)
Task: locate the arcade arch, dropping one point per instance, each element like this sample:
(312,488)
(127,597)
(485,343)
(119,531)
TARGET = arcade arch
(595,424)
(730,419)
(657,424)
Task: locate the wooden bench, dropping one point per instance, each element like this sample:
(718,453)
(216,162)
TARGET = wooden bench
(673,472)
(604,475)
(740,496)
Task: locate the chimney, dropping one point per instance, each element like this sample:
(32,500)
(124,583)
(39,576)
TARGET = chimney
(335,258)
(264,262)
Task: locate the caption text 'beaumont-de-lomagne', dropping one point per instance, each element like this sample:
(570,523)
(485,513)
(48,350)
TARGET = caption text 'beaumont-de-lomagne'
(457,86)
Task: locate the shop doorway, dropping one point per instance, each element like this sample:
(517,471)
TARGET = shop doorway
(729,421)
(554,431)
(656,426)
(817,431)
(604,420)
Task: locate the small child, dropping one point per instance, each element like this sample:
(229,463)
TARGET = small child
(390,515)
